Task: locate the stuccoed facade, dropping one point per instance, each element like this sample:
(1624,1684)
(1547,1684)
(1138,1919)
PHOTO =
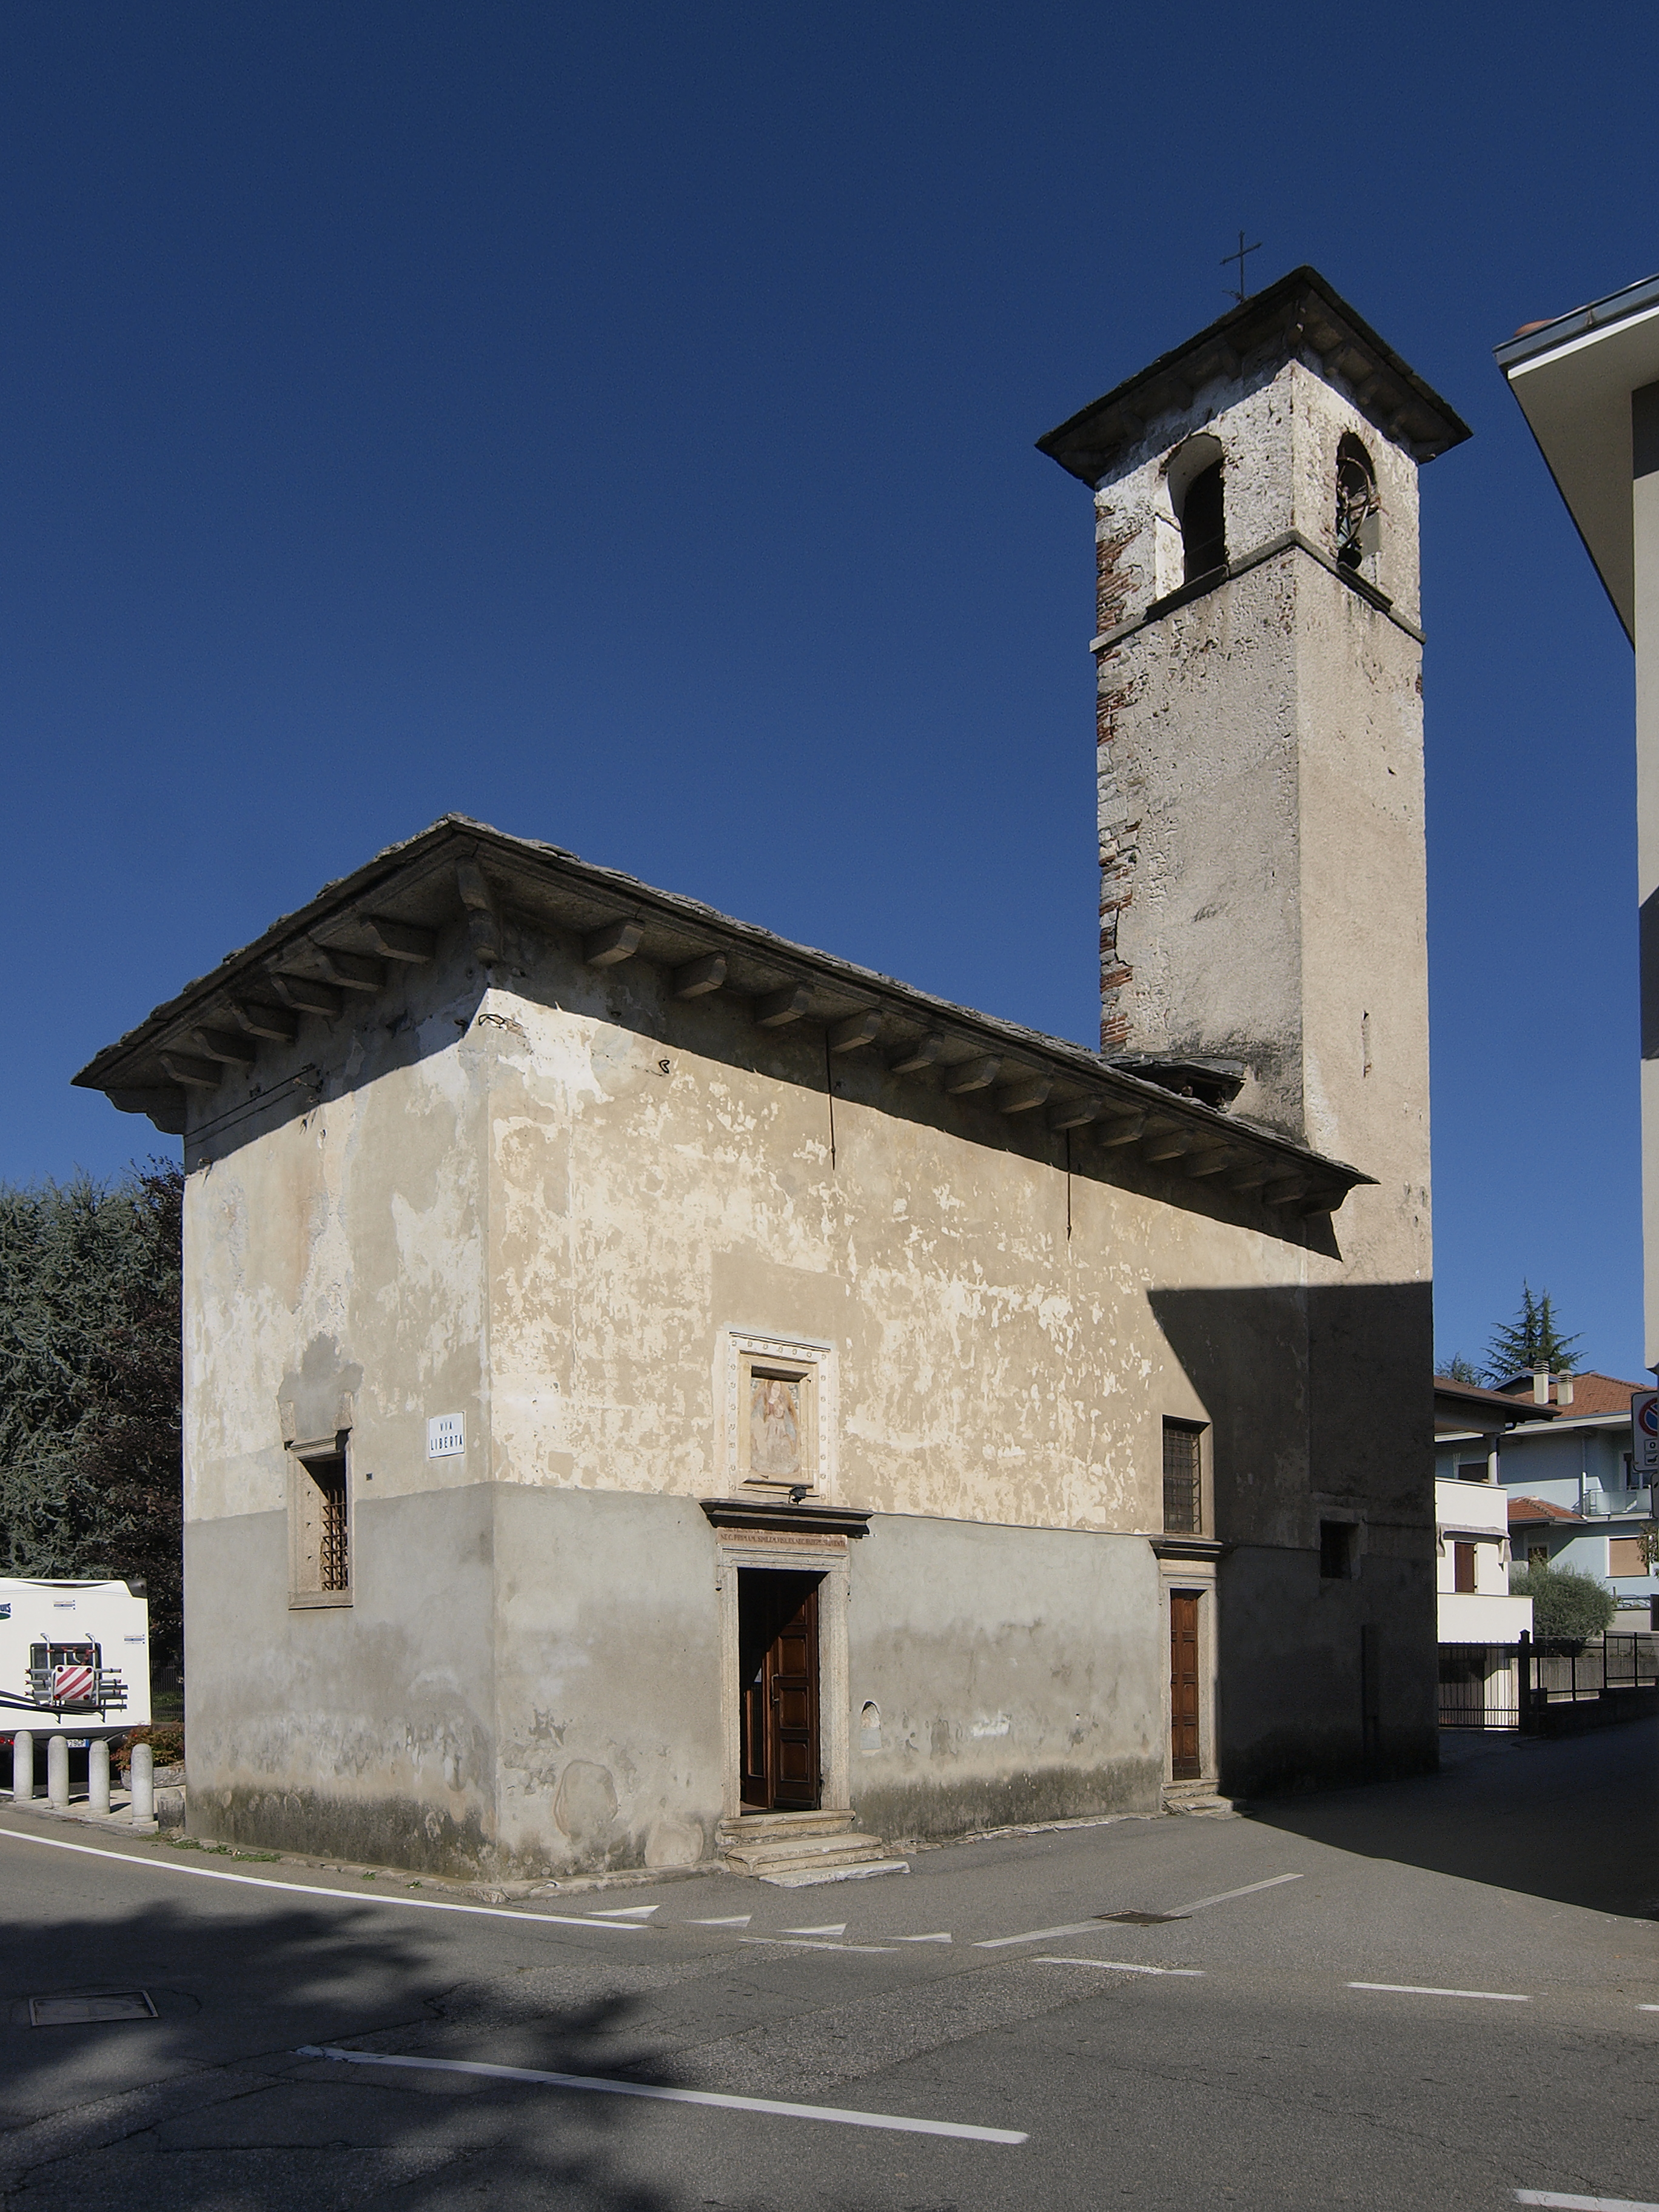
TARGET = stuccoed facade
(487,1133)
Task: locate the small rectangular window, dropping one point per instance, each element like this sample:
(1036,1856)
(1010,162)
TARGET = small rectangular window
(319,1532)
(1183,1479)
(1463,1567)
(1626,1555)
(1538,1555)
(1471,1470)
(1336,1550)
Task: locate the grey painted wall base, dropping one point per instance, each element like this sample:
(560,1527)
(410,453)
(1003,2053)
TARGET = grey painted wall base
(529,1681)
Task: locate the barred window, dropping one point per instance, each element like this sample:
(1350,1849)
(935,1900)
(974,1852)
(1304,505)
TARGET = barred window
(1183,1488)
(319,1531)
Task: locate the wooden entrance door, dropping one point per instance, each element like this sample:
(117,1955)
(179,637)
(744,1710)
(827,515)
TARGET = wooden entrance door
(1183,1686)
(778,1652)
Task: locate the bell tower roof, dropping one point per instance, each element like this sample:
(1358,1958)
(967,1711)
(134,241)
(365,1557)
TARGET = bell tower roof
(1300,316)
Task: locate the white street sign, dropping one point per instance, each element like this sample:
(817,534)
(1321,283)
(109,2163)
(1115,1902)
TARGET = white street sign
(446,1436)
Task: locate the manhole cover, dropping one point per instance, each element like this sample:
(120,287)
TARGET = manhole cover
(1143,1919)
(67,2012)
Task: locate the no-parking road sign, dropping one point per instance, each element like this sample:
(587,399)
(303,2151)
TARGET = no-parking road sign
(1645,1431)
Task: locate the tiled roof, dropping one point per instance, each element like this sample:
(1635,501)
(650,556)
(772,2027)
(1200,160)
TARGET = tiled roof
(1528,1511)
(1591,1393)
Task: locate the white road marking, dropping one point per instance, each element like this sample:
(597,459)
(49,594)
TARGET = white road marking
(1226,1896)
(1041,1935)
(1418,1990)
(1584,2203)
(830,1928)
(737,1920)
(921,1939)
(1117,1967)
(1647,2008)
(305,1889)
(624,1912)
(810,1943)
(607,2087)
(1094,1927)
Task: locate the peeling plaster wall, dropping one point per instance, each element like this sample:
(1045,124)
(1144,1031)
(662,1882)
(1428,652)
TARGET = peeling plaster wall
(542,1202)
(1261,778)
(334,1279)
(989,1368)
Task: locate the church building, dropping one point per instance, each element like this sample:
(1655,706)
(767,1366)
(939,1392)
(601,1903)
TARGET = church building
(656,1393)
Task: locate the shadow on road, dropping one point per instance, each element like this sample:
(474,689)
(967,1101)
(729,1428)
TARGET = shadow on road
(209,2106)
(1574,1819)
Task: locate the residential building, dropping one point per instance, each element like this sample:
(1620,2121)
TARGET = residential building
(649,1383)
(1471,1514)
(1573,1501)
(1588,384)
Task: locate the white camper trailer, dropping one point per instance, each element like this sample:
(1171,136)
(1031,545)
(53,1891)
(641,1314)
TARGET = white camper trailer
(74,1658)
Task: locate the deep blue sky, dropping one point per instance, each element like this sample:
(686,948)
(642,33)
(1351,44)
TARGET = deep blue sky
(616,424)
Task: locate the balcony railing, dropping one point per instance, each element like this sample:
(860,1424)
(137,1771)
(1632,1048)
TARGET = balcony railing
(1603,1504)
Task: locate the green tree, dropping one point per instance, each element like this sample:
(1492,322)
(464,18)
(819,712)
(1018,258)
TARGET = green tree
(90,1420)
(1568,1607)
(1459,1369)
(1530,1340)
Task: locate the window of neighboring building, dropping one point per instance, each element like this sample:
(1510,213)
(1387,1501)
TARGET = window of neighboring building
(1336,1550)
(1538,1555)
(1183,1479)
(1471,1470)
(320,1534)
(1463,1567)
(1626,1555)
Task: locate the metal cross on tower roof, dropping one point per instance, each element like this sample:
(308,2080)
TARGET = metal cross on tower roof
(1237,290)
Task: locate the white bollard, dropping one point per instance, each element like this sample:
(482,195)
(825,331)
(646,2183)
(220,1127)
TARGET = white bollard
(58,1773)
(143,1785)
(23,1766)
(98,1774)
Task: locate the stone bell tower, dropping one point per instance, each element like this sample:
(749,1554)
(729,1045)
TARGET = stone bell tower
(1261,731)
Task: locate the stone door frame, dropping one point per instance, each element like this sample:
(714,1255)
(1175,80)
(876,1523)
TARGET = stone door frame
(828,1556)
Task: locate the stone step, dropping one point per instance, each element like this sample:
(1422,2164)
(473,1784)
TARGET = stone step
(822,1822)
(1198,1797)
(779,1856)
(807,1877)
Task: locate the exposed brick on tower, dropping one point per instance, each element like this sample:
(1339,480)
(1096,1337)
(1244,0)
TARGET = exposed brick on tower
(1115,581)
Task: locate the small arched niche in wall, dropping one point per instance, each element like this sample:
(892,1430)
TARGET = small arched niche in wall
(1194,482)
(1358,510)
(870,1726)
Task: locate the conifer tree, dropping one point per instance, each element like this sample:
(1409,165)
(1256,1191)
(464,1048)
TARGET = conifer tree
(1529,1341)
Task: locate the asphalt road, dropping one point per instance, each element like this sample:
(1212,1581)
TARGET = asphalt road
(1393,2025)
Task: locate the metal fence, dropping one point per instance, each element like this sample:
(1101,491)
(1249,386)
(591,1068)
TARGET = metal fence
(1479,1686)
(1513,1685)
(1563,1674)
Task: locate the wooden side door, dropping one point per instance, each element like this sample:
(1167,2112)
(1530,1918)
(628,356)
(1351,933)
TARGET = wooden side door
(1184,1765)
(778,1646)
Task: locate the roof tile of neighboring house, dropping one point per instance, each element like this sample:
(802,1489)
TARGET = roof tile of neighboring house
(1525,1512)
(1591,1393)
